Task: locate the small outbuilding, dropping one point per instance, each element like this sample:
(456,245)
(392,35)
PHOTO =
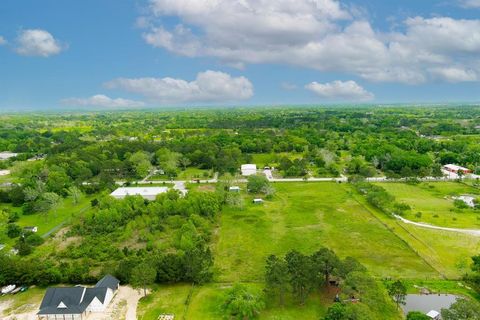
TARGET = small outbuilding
(4,172)
(148,193)
(248,169)
(257,201)
(234,189)
(33,229)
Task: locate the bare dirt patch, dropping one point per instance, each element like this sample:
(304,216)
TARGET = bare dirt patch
(206,187)
(122,307)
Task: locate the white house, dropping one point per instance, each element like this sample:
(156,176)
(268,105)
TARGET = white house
(149,193)
(4,172)
(248,169)
(234,189)
(75,303)
(257,200)
(5,155)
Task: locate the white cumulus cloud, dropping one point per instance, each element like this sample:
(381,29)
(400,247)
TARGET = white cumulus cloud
(340,91)
(209,86)
(452,74)
(2,41)
(37,42)
(320,34)
(101,100)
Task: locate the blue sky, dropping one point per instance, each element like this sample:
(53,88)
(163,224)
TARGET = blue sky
(127,54)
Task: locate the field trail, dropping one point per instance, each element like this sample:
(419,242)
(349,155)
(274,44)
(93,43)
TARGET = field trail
(472,232)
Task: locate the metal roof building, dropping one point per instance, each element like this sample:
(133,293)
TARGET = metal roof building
(149,193)
(248,169)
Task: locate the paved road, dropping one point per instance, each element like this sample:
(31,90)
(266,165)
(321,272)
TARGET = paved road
(472,232)
(268,173)
(448,176)
(180,186)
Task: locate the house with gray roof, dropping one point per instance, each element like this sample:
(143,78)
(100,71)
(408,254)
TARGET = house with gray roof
(74,303)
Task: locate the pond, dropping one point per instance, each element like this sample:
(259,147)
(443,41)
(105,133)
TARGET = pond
(427,302)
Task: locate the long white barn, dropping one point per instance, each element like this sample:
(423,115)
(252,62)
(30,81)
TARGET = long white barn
(149,193)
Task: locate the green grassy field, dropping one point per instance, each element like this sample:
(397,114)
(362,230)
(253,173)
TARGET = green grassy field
(45,223)
(194,173)
(447,252)
(188,174)
(271,159)
(302,216)
(306,216)
(434,201)
(204,302)
(6,178)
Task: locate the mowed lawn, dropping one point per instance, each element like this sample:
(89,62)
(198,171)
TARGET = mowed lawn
(434,201)
(306,216)
(52,221)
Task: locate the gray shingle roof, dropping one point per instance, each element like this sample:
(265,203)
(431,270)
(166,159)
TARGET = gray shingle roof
(109,282)
(76,299)
(71,297)
(91,293)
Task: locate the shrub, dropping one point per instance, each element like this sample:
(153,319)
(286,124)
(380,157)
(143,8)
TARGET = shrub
(13,230)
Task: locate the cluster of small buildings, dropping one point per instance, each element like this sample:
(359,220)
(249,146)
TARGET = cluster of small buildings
(75,303)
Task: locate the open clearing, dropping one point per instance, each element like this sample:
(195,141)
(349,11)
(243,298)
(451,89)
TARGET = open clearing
(434,201)
(446,251)
(302,216)
(306,216)
(51,222)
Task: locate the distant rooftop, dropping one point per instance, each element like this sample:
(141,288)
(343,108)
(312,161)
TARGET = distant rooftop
(248,169)
(146,192)
(455,167)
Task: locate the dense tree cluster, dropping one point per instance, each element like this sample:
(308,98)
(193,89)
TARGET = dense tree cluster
(299,275)
(380,198)
(99,148)
(185,221)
